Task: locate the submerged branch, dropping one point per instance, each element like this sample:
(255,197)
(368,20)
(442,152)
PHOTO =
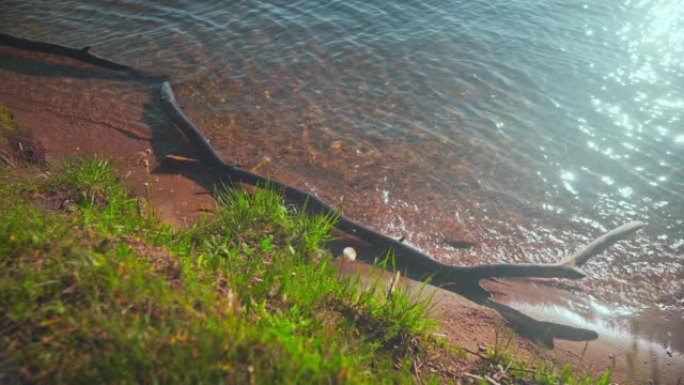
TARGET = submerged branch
(601,243)
(409,259)
(81,54)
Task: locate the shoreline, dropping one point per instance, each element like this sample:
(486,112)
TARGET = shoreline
(177,199)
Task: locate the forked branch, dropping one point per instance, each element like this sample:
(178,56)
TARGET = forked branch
(414,262)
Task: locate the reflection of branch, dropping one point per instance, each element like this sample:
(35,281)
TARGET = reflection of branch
(541,331)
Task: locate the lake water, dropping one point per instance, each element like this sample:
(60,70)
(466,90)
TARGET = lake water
(528,127)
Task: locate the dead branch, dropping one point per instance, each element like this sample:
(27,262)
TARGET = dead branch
(412,261)
(80,54)
(475,353)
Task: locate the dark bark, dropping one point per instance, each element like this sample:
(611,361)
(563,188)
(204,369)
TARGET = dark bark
(406,257)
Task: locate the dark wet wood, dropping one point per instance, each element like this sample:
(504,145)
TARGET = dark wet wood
(81,54)
(406,257)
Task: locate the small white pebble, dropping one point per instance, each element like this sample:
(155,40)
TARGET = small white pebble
(349,254)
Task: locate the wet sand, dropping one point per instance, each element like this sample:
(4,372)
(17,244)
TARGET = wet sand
(74,109)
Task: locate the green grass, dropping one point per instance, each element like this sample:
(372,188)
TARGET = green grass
(7,122)
(97,290)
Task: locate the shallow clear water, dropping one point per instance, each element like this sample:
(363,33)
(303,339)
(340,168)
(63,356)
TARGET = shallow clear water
(529,127)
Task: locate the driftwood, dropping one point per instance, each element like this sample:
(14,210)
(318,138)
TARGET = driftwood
(411,261)
(406,257)
(414,263)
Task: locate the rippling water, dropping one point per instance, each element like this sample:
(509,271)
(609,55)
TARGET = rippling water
(529,127)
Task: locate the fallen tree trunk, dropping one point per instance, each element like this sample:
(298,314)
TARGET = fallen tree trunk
(412,262)
(406,257)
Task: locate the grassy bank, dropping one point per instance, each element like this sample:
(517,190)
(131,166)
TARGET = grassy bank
(95,289)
